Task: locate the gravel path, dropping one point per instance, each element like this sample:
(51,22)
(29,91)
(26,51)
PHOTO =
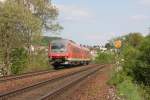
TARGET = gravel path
(96,88)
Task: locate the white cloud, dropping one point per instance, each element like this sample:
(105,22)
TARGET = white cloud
(2,0)
(144,2)
(140,17)
(100,38)
(74,13)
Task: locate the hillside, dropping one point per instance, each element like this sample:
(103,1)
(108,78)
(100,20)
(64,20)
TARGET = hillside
(45,40)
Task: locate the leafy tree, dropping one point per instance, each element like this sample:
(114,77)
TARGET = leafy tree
(44,10)
(133,39)
(129,55)
(108,46)
(20,22)
(135,53)
(44,41)
(16,22)
(142,69)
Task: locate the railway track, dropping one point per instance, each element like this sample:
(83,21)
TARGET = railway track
(55,86)
(54,94)
(25,75)
(13,83)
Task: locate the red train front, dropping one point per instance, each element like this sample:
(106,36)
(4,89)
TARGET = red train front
(66,52)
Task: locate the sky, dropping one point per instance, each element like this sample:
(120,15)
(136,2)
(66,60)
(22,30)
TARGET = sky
(94,22)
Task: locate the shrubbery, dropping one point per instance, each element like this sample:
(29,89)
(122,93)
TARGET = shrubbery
(19,60)
(39,61)
(126,89)
(104,58)
(134,78)
(142,69)
(23,63)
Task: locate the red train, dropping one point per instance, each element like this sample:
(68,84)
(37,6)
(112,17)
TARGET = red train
(67,52)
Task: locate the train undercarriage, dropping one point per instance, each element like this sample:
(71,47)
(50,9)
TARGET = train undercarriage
(62,62)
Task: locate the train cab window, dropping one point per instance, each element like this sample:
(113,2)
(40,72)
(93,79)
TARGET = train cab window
(58,47)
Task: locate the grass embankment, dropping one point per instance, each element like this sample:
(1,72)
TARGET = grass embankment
(126,89)
(121,76)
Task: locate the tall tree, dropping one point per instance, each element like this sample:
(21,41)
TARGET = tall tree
(15,24)
(133,39)
(20,21)
(108,46)
(46,12)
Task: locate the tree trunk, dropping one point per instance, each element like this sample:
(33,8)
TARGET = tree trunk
(7,62)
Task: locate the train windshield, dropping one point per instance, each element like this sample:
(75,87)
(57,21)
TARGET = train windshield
(58,47)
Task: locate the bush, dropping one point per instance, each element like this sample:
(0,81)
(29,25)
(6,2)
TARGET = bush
(129,55)
(39,61)
(19,60)
(104,58)
(126,89)
(22,62)
(133,81)
(142,69)
(117,78)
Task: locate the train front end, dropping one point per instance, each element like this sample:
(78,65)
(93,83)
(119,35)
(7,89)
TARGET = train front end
(58,52)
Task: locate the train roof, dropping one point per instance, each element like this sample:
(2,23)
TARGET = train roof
(63,41)
(66,41)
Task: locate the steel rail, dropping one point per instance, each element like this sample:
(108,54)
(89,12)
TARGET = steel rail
(26,75)
(15,77)
(51,95)
(39,84)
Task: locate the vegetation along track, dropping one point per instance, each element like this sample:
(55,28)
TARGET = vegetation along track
(51,86)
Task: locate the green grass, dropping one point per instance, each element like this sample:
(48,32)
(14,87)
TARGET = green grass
(146,92)
(126,89)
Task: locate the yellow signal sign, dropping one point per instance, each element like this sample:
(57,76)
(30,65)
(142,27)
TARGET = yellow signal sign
(118,44)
